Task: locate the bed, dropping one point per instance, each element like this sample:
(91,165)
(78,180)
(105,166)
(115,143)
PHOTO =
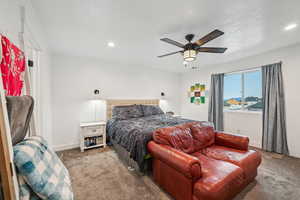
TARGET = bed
(129,137)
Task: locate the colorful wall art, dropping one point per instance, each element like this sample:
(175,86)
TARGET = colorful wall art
(197,94)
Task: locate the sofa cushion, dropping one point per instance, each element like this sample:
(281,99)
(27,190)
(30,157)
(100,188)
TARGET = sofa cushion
(178,137)
(247,160)
(220,179)
(203,136)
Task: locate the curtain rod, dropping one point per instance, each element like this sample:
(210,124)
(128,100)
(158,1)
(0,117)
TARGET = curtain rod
(247,69)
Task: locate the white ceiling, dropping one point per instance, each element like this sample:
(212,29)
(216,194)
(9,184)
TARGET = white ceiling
(83,28)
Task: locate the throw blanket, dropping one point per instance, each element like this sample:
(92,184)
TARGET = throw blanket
(41,173)
(135,133)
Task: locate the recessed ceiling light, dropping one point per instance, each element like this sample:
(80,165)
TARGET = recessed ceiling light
(290,27)
(111,44)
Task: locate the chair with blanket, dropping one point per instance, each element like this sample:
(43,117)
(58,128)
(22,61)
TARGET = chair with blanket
(41,174)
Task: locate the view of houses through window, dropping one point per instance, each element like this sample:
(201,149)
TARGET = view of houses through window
(243,91)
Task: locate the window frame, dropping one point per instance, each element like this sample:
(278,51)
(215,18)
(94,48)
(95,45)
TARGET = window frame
(242,73)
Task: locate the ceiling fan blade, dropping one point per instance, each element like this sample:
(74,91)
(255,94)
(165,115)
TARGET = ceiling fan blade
(170,54)
(172,42)
(211,49)
(216,33)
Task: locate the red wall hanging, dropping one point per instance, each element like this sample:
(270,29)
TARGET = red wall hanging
(12,68)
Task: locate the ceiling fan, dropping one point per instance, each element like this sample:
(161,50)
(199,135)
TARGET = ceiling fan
(191,49)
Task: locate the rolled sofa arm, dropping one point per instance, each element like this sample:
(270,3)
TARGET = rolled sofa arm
(186,164)
(231,140)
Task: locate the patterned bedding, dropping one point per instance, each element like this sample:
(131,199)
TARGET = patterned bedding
(133,134)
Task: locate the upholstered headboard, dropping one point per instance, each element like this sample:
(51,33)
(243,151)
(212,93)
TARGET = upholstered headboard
(111,103)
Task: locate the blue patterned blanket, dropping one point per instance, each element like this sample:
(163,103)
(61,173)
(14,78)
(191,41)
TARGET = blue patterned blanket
(41,174)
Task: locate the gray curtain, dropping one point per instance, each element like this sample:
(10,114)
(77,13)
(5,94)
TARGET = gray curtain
(274,122)
(216,101)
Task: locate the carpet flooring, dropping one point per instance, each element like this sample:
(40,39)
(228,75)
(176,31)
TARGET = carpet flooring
(99,175)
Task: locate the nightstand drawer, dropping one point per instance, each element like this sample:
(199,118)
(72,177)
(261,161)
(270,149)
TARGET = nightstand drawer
(93,128)
(91,131)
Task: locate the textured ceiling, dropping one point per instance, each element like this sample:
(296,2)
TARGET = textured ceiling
(83,28)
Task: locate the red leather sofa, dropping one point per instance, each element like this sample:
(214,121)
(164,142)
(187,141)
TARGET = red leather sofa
(195,162)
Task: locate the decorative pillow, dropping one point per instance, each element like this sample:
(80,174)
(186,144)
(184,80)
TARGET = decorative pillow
(178,137)
(42,170)
(127,112)
(151,110)
(203,136)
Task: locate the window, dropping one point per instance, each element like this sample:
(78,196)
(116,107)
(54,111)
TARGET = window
(243,91)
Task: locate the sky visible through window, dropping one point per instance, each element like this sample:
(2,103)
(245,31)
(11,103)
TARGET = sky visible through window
(252,91)
(233,87)
(253,84)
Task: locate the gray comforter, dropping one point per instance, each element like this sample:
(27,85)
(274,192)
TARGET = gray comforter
(134,134)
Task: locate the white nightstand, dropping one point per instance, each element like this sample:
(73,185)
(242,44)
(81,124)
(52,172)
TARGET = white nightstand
(92,134)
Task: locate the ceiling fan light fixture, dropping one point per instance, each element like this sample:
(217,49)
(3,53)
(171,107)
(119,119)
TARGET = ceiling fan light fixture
(191,49)
(189,55)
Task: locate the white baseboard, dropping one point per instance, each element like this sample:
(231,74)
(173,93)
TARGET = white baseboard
(255,144)
(65,147)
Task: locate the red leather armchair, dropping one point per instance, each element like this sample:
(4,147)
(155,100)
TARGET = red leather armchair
(194,162)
